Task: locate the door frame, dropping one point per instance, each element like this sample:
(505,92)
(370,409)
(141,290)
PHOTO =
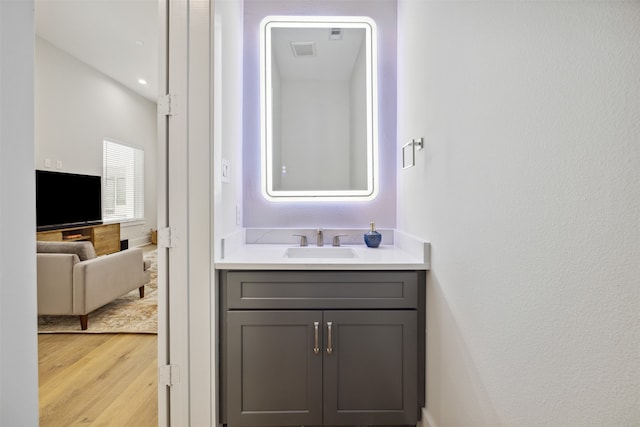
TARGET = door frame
(185,171)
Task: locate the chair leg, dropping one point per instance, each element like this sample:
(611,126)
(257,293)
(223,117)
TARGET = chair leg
(141,290)
(84,321)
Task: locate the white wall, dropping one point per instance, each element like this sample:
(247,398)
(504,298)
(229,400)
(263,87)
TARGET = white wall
(276,119)
(314,135)
(76,108)
(529,191)
(228,112)
(18,313)
(358,114)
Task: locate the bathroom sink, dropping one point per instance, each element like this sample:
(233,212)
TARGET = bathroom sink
(320,252)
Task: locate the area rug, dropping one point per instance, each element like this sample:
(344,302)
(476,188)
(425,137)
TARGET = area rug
(127,314)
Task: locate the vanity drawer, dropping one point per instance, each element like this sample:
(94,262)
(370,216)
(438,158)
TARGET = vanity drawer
(320,289)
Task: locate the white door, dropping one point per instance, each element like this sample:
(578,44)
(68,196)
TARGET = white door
(185,275)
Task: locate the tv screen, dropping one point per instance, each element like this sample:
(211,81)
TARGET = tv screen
(67,200)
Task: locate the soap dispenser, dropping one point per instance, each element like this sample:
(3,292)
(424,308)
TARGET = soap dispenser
(372,238)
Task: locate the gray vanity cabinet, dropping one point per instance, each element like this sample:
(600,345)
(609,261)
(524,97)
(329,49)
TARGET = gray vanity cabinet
(370,375)
(320,348)
(273,377)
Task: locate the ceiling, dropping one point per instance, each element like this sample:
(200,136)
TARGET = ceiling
(333,59)
(117,37)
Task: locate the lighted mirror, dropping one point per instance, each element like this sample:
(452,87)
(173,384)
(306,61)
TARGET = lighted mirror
(318,108)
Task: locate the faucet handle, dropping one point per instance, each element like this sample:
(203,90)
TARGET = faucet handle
(336,239)
(303,239)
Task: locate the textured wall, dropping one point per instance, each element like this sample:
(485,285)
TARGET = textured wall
(529,191)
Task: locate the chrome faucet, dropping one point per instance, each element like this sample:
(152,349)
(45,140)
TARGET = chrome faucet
(303,239)
(336,239)
(319,237)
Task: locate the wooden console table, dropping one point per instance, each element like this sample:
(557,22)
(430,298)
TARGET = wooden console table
(105,237)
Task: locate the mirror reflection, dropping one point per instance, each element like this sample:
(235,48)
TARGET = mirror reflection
(318,108)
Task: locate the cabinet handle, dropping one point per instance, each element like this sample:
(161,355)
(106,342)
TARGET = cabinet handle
(316,348)
(330,344)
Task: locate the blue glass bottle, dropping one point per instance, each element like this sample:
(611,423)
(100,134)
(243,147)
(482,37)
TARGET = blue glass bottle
(372,238)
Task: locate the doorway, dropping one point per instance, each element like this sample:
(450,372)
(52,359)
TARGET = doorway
(96,74)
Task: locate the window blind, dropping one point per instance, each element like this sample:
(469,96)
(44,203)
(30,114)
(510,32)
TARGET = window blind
(122,182)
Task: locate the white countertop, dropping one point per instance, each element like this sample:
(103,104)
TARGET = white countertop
(404,253)
(273,257)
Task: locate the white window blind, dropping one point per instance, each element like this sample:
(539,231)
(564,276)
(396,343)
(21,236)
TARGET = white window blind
(122,182)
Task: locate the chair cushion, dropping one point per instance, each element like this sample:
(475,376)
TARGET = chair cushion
(84,250)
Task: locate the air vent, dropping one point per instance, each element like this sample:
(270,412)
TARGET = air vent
(335,34)
(303,49)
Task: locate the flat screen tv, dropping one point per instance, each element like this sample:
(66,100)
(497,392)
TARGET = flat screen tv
(67,200)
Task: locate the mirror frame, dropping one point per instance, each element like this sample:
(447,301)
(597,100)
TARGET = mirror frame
(266,145)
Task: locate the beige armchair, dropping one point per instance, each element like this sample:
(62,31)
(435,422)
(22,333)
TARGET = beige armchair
(73,281)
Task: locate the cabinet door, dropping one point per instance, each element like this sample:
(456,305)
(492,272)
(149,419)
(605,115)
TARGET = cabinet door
(106,238)
(370,367)
(274,377)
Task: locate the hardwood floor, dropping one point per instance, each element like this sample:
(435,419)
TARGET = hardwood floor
(98,380)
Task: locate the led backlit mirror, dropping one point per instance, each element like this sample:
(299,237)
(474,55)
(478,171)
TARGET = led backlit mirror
(318,108)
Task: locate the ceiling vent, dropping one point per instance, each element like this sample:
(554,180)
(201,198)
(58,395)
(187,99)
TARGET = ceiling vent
(303,49)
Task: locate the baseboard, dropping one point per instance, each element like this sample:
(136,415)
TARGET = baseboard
(427,419)
(139,241)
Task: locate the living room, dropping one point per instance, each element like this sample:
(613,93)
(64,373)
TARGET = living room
(84,104)
(78,107)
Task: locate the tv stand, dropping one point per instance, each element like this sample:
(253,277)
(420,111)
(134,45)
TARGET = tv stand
(104,237)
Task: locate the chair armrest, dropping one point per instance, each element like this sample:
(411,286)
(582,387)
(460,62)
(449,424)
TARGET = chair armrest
(55,283)
(101,280)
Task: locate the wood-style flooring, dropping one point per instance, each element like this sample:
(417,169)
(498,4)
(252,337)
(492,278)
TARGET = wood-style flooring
(98,380)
